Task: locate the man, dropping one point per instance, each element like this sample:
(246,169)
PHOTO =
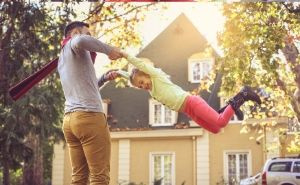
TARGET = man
(85,127)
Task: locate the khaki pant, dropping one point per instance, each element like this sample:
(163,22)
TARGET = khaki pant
(88,139)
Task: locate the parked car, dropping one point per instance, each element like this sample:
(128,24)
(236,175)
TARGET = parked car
(254,180)
(281,171)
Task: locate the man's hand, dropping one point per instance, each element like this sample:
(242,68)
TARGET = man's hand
(125,55)
(115,54)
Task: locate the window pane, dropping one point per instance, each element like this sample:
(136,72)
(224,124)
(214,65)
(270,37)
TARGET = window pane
(243,166)
(196,71)
(234,118)
(157,167)
(237,167)
(157,113)
(280,167)
(163,168)
(168,115)
(296,168)
(206,67)
(231,169)
(167,170)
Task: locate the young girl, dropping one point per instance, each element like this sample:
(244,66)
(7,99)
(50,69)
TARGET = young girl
(160,87)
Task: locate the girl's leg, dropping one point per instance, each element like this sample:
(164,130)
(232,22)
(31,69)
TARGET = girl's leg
(238,112)
(204,115)
(207,126)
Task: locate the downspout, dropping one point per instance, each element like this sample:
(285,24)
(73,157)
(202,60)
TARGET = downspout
(265,144)
(194,161)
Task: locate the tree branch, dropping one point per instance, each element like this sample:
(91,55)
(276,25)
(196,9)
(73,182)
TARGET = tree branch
(295,10)
(107,31)
(291,54)
(120,15)
(294,103)
(95,11)
(116,16)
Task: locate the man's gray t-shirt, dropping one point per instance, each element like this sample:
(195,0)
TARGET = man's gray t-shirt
(77,74)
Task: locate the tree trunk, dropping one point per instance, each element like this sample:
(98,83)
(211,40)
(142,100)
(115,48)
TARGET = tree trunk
(6,177)
(3,96)
(28,174)
(291,54)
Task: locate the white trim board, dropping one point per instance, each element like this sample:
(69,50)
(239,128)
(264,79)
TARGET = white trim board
(202,159)
(124,160)
(157,133)
(58,164)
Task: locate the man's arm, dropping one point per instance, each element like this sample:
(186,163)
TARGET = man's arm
(86,42)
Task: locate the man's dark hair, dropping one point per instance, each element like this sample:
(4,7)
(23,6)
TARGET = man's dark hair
(72,25)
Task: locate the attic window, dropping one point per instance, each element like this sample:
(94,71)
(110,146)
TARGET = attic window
(159,115)
(199,68)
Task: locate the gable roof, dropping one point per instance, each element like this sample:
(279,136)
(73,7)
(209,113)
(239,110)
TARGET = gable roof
(178,37)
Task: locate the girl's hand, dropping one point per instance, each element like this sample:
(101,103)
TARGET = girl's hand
(111,74)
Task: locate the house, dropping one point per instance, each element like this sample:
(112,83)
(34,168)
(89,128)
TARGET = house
(151,142)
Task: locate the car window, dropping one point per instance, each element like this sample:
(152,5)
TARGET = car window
(280,167)
(296,167)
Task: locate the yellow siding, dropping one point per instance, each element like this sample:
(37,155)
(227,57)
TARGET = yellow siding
(231,139)
(140,153)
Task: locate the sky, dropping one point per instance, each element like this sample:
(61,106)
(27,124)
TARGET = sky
(206,16)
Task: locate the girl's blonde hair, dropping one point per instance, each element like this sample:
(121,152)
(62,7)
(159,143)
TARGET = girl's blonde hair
(135,71)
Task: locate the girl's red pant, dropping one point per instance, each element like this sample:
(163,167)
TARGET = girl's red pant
(205,116)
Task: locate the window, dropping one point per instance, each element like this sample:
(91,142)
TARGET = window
(293,125)
(199,68)
(296,167)
(237,166)
(280,167)
(234,119)
(159,115)
(105,107)
(162,168)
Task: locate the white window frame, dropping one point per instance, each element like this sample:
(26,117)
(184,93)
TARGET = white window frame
(192,62)
(129,70)
(234,119)
(236,152)
(151,165)
(174,115)
(105,107)
(292,122)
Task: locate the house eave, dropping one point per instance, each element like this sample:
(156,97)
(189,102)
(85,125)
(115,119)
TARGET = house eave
(278,120)
(165,133)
